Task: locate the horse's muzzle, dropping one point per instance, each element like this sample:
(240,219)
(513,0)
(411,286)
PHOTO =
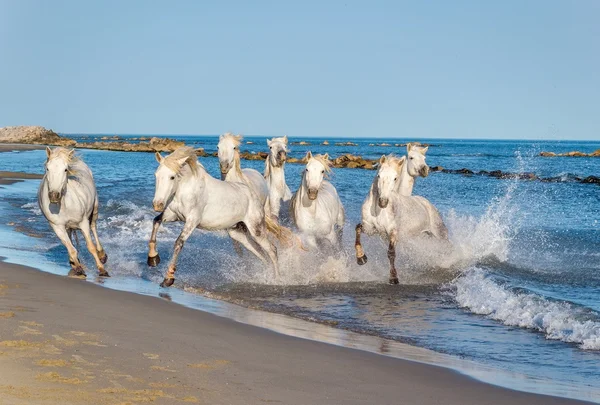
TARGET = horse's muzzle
(281,157)
(54,197)
(158,206)
(383,202)
(224,168)
(312,193)
(425,171)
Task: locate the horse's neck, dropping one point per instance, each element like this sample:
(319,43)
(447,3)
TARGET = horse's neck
(305,202)
(190,185)
(406,183)
(276,178)
(235,173)
(80,173)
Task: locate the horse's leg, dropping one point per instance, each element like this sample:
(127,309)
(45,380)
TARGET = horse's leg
(259,235)
(392,257)
(188,228)
(101,253)
(86,231)
(237,247)
(153,256)
(361,257)
(240,237)
(63,235)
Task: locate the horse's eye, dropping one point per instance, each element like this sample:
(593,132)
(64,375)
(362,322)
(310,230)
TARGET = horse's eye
(270,147)
(411,158)
(395,178)
(66,170)
(306,169)
(322,171)
(172,177)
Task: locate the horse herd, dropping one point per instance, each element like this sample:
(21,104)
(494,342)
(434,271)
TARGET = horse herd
(245,203)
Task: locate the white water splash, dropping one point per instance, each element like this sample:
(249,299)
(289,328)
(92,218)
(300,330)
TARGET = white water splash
(556,320)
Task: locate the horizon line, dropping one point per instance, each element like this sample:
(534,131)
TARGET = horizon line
(333,137)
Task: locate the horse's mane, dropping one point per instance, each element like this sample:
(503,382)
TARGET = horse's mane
(187,152)
(74,162)
(394,161)
(324,160)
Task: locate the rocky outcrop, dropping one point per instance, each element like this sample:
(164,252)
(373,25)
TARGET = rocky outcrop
(574,153)
(154,145)
(35,135)
(301,143)
(346,144)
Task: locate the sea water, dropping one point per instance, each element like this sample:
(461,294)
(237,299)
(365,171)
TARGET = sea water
(517,292)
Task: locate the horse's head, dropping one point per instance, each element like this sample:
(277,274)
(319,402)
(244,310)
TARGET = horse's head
(277,151)
(316,168)
(415,164)
(387,178)
(57,171)
(228,148)
(169,173)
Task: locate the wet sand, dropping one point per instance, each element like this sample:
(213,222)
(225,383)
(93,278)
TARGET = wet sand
(8,178)
(65,341)
(11,147)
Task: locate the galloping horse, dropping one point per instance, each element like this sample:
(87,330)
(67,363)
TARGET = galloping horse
(275,175)
(395,216)
(229,162)
(186,192)
(413,167)
(316,207)
(68,199)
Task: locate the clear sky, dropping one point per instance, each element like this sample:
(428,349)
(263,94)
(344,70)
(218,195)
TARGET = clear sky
(459,69)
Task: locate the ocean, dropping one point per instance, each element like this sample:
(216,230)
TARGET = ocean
(517,294)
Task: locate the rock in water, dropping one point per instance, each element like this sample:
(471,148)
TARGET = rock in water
(33,135)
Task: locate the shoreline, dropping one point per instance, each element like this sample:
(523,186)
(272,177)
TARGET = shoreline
(67,336)
(153,290)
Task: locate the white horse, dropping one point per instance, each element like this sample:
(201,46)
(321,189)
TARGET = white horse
(414,167)
(186,192)
(275,175)
(68,199)
(394,216)
(316,207)
(229,162)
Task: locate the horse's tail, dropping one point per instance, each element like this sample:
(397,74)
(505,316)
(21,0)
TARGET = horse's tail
(282,233)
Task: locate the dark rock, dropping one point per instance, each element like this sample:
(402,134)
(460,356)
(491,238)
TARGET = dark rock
(591,180)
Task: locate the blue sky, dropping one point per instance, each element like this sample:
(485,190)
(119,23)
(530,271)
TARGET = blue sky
(456,69)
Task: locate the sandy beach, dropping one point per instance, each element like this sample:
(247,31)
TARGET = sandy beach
(66,341)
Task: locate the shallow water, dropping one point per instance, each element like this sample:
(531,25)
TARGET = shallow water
(517,292)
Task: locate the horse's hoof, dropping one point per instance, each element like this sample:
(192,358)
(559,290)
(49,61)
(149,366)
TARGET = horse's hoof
(361,260)
(394,280)
(153,261)
(167,282)
(103,257)
(77,272)
(103,273)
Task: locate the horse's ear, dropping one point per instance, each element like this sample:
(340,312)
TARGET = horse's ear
(181,161)
(48,152)
(269,142)
(326,156)
(382,159)
(239,137)
(409,147)
(423,150)
(285,140)
(308,156)
(71,153)
(158,157)
(401,162)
